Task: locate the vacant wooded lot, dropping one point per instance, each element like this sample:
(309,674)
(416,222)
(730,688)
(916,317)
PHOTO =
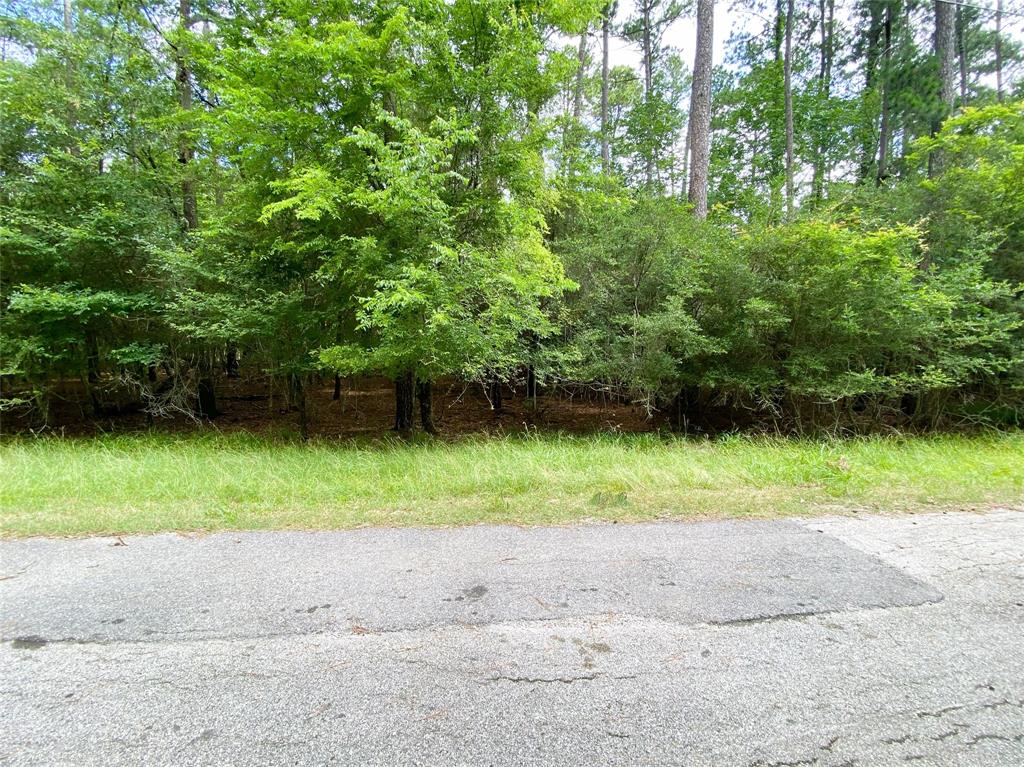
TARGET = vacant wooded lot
(820,232)
(574,265)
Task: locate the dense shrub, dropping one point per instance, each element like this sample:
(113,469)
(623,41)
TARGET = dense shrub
(811,319)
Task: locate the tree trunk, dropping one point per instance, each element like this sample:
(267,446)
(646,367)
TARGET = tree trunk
(945,50)
(206,397)
(231,361)
(648,64)
(961,53)
(183,79)
(827,8)
(424,393)
(896,157)
(301,406)
(337,388)
(92,372)
(779,30)
(581,68)
(685,408)
(531,384)
(67,28)
(606,22)
(69,78)
(999,50)
(494,395)
(92,358)
(905,125)
(403,402)
(788,88)
(827,11)
(869,145)
(882,171)
(570,135)
(699,133)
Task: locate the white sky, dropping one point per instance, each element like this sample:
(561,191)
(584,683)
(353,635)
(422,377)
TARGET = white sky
(682,35)
(728,19)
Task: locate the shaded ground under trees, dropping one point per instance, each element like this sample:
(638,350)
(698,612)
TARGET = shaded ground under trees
(365,408)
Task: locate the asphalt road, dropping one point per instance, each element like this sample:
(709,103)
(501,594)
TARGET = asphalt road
(838,641)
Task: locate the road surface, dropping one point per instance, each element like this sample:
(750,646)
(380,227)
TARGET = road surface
(869,640)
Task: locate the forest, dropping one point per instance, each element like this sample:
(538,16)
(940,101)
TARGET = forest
(517,203)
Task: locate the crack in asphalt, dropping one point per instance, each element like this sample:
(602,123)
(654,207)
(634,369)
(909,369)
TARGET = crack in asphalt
(543,680)
(159,637)
(558,679)
(992,736)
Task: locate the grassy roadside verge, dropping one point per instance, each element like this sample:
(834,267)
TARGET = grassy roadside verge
(153,483)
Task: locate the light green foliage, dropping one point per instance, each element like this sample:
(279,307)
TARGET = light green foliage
(977,205)
(410,222)
(859,320)
(747,159)
(48,328)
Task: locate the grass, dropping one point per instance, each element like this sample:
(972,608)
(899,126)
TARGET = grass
(240,482)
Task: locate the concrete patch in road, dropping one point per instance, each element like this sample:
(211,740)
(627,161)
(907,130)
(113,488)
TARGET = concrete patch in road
(233,585)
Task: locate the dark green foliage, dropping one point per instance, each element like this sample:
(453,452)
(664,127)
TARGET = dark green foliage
(782,317)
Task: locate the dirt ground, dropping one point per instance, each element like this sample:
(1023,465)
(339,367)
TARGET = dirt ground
(365,409)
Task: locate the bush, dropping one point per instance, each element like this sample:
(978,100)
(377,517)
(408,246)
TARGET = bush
(804,319)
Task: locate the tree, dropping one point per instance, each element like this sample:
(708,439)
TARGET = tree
(606,22)
(88,208)
(826,22)
(884,130)
(183,80)
(206,394)
(412,204)
(699,138)
(581,71)
(788,93)
(999,49)
(945,52)
(658,122)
